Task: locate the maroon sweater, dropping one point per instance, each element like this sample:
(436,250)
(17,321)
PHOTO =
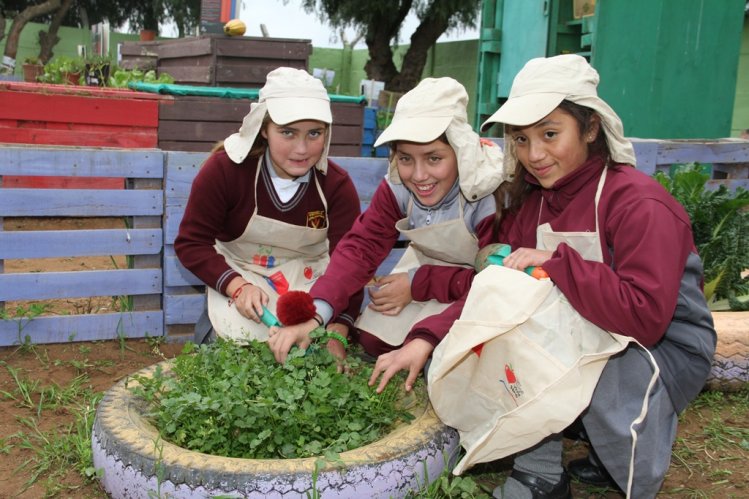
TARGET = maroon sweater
(222,201)
(646,238)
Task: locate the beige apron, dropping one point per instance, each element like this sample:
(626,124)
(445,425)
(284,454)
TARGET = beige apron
(299,255)
(520,363)
(446,243)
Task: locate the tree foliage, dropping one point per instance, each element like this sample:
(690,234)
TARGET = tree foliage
(381,23)
(140,14)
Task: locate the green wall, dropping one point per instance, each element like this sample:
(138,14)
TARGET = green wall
(28,45)
(741,104)
(455,59)
(679,79)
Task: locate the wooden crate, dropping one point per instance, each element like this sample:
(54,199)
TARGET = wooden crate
(220,60)
(139,55)
(34,113)
(192,123)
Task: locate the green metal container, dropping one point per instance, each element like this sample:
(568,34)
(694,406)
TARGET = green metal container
(668,67)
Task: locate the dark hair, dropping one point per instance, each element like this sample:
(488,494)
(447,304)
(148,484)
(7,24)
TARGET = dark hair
(510,195)
(258,147)
(261,143)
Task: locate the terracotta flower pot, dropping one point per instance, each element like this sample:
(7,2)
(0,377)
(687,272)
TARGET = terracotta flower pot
(71,78)
(147,35)
(32,71)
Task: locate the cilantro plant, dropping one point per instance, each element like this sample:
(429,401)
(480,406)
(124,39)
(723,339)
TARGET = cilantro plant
(231,400)
(720,223)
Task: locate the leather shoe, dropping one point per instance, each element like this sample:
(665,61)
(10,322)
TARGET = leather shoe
(584,471)
(541,489)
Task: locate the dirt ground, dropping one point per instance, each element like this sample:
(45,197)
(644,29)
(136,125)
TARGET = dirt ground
(710,457)
(704,464)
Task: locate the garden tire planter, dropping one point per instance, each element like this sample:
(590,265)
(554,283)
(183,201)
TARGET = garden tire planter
(730,369)
(135,462)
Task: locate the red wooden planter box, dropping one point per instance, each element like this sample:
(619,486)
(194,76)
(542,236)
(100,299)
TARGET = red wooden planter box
(34,113)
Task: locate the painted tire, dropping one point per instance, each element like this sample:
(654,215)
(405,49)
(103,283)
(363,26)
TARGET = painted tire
(730,369)
(124,447)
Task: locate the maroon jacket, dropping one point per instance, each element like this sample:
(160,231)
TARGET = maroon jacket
(221,203)
(646,239)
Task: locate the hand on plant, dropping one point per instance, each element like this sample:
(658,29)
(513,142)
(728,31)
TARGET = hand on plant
(522,258)
(337,348)
(281,339)
(391,294)
(411,356)
(249,301)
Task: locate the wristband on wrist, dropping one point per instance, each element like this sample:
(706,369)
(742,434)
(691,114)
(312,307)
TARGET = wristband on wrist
(237,292)
(336,336)
(318,318)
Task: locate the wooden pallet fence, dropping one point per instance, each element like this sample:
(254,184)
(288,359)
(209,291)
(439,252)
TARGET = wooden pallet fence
(141,203)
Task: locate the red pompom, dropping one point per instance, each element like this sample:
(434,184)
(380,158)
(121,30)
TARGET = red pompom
(295,307)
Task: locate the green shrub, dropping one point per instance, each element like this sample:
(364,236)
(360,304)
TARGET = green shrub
(231,400)
(720,223)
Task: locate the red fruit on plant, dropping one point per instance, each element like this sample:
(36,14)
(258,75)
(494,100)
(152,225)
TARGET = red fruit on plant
(295,307)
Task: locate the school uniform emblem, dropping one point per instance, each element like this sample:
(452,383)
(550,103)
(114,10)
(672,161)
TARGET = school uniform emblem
(316,219)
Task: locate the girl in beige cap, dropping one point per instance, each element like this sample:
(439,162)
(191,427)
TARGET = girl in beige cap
(436,194)
(266,209)
(620,250)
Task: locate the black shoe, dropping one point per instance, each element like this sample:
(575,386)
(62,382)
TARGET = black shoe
(584,471)
(541,489)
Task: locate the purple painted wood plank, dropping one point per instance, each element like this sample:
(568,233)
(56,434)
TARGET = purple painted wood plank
(57,243)
(54,285)
(61,329)
(687,151)
(646,153)
(181,168)
(177,275)
(42,160)
(80,202)
(182,308)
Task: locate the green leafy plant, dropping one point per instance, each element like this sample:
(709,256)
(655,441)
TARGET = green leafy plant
(55,451)
(97,69)
(57,69)
(122,77)
(231,400)
(720,223)
(23,316)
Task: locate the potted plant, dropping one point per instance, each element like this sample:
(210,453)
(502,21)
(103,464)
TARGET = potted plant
(32,69)
(71,69)
(96,70)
